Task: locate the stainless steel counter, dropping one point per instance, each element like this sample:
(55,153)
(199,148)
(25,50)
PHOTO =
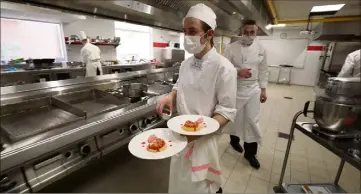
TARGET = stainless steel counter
(32,76)
(50,155)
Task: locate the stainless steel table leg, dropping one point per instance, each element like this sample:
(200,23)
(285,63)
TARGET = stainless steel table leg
(289,147)
(340,168)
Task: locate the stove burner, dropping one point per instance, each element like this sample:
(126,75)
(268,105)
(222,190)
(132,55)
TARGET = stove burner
(355,153)
(350,134)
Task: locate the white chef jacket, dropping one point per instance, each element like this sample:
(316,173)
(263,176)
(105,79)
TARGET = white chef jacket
(351,67)
(90,55)
(252,57)
(205,86)
(246,124)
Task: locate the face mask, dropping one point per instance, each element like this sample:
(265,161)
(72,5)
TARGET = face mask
(248,40)
(192,44)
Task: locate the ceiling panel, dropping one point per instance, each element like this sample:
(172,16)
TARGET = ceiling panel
(289,10)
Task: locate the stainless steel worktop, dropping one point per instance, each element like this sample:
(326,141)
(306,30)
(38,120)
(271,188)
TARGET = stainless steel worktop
(11,92)
(16,153)
(60,72)
(68,68)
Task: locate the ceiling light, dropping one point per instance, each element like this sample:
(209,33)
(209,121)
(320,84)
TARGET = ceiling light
(269,26)
(322,8)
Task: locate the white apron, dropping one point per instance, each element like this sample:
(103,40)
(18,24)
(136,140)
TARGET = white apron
(246,124)
(196,169)
(91,68)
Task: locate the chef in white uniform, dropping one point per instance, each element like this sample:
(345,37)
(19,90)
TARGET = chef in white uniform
(90,55)
(351,67)
(249,58)
(206,86)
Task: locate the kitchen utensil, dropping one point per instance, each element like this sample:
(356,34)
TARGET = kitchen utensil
(166,114)
(134,90)
(334,117)
(346,87)
(338,108)
(210,125)
(175,143)
(74,38)
(116,40)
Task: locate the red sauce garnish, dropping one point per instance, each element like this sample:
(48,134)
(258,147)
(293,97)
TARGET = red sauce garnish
(143,146)
(169,141)
(143,142)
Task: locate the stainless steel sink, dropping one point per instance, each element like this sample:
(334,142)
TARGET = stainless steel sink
(93,101)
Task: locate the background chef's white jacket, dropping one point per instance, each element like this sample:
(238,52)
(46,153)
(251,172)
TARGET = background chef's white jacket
(90,55)
(207,86)
(351,68)
(252,57)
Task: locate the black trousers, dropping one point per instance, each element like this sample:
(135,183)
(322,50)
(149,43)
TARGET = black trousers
(250,149)
(98,72)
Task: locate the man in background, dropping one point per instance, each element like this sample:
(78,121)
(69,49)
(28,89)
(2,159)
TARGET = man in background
(351,67)
(249,58)
(90,55)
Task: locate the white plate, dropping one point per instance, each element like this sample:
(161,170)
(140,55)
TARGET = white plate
(175,124)
(175,144)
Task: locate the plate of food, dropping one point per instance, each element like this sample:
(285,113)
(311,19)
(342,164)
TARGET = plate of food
(157,144)
(193,125)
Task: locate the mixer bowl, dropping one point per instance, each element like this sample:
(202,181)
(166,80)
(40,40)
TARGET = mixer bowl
(336,118)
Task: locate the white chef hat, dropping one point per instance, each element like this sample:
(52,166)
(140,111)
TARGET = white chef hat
(203,13)
(83,35)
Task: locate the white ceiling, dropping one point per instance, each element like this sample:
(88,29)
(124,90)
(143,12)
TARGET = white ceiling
(300,9)
(289,10)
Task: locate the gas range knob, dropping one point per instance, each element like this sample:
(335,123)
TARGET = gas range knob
(148,121)
(85,150)
(133,128)
(6,184)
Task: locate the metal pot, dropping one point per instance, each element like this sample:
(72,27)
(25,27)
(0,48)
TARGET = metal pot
(346,87)
(334,117)
(134,90)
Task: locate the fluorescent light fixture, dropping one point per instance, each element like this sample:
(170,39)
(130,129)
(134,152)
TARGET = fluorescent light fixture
(325,8)
(269,26)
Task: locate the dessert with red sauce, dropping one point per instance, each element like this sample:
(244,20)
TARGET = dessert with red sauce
(193,126)
(156,144)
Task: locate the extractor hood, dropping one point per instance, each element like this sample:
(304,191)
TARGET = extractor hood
(339,31)
(165,14)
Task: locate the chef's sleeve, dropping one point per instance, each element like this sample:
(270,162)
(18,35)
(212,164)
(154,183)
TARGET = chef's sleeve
(347,67)
(263,70)
(226,88)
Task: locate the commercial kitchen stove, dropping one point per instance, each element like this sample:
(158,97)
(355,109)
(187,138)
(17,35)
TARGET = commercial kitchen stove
(49,146)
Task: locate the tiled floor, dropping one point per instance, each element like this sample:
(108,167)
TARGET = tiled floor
(308,161)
